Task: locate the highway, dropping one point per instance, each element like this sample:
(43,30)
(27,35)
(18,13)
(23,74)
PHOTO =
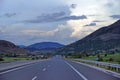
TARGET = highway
(55,68)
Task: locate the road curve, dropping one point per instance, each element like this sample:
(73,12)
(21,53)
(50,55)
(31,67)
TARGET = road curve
(55,68)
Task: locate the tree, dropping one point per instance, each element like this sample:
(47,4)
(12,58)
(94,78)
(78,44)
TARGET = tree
(105,55)
(99,57)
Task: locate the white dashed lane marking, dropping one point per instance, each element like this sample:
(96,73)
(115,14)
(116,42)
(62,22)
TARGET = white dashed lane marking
(34,78)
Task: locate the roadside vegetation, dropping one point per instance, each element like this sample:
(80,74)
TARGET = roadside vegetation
(104,57)
(16,57)
(112,58)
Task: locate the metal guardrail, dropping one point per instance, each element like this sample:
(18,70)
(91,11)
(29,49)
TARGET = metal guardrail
(109,66)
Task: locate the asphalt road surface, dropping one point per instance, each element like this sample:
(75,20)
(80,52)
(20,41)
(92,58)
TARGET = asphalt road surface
(55,69)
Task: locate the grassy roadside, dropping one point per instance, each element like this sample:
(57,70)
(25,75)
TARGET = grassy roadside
(16,58)
(111,58)
(10,59)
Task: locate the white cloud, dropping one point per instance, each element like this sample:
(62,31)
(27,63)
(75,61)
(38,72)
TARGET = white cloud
(79,31)
(58,31)
(67,31)
(37,33)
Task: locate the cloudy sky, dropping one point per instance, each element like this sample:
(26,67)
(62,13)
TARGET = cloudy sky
(25,22)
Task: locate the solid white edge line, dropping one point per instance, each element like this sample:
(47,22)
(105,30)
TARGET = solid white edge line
(34,78)
(81,75)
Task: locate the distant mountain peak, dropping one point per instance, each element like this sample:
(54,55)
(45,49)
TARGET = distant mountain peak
(44,46)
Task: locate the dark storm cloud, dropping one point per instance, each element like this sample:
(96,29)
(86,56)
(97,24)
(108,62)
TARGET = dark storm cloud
(73,18)
(55,17)
(91,24)
(98,21)
(73,5)
(115,16)
(9,14)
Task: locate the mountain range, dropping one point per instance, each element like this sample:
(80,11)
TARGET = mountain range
(44,47)
(104,39)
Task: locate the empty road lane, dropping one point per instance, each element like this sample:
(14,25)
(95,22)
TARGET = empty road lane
(55,69)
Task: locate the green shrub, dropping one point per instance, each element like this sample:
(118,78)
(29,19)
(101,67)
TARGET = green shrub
(100,59)
(111,59)
(1,59)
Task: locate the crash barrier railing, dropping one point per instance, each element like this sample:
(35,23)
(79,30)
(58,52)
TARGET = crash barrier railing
(110,66)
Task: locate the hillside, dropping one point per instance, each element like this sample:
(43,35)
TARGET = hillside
(21,46)
(9,48)
(7,44)
(103,39)
(111,32)
(44,47)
